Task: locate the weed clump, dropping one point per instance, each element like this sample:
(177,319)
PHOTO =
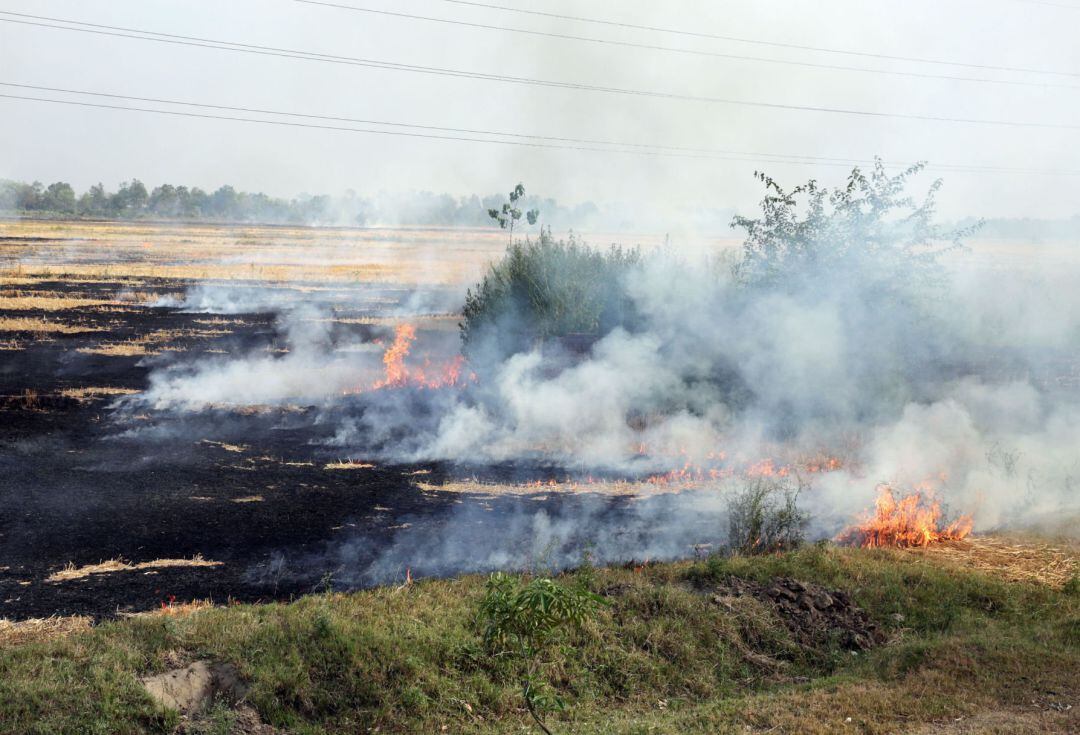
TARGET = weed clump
(764,518)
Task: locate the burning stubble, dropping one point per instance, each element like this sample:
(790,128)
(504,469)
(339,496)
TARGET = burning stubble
(824,387)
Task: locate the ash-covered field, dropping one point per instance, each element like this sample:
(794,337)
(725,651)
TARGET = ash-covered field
(216,413)
(109,504)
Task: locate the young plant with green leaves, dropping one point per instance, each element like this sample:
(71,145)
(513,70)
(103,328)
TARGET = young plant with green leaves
(521,620)
(510,213)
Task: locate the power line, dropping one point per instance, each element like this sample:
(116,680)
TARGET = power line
(674,49)
(205,116)
(472,131)
(116,31)
(776,44)
(569,144)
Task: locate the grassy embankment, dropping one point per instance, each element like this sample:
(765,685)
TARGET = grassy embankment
(967,651)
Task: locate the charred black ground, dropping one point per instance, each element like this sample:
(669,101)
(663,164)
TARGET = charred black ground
(247,488)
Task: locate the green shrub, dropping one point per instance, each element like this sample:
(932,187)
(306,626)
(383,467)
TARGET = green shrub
(764,518)
(546,289)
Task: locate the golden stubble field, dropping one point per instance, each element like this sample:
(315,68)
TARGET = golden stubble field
(36,249)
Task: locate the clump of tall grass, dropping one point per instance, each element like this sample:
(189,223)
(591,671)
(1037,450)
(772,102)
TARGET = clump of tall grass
(764,518)
(544,289)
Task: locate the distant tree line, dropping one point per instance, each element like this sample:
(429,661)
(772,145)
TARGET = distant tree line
(1028,228)
(133,200)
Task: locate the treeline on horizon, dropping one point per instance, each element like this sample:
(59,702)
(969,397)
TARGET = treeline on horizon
(132,200)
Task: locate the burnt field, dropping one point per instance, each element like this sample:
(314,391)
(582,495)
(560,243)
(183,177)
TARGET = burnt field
(77,492)
(108,506)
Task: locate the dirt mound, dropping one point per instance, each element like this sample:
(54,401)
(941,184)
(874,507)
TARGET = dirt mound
(814,614)
(209,698)
(194,688)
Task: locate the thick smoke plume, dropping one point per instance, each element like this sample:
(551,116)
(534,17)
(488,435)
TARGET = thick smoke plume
(893,360)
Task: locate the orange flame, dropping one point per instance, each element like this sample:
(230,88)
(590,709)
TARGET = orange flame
(399,374)
(394,357)
(905,521)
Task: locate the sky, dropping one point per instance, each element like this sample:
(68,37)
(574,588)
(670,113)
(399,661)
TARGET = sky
(83,145)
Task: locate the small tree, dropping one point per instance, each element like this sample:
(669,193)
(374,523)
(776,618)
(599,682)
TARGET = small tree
(519,621)
(867,232)
(510,213)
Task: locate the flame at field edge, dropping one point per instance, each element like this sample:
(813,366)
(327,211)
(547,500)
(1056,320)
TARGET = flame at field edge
(905,521)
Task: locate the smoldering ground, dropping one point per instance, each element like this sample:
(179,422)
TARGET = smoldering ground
(896,362)
(1000,445)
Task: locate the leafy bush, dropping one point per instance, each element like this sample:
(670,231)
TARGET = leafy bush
(765,518)
(519,620)
(866,233)
(544,289)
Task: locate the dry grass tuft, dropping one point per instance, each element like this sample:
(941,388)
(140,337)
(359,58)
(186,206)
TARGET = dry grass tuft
(544,487)
(119,565)
(348,465)
(89,392)
(15,301)
(227,447)
(179,609)
(218,321)
(28,400)
(134,348)
(39,325)
(153,343)
(34,630)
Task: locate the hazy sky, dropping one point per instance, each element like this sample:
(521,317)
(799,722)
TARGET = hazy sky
(84,145)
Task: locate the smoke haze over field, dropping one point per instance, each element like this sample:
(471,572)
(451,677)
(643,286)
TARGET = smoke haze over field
(114,145)
(968,387)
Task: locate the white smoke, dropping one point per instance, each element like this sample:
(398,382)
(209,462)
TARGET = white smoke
(975,395)
(310,367)
(965,391)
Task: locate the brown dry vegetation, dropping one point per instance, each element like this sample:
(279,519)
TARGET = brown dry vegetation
(40,326)
(13,633)
(347,465)
(153,343)
(119,565)
(1015,558)
(102,250)
(91,392)
(45,301)
(601,487)
(132,250)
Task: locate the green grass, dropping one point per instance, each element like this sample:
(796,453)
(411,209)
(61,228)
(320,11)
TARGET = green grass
(661,658)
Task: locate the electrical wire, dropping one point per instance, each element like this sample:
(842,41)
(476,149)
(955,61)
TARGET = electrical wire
(443,71)
(694,52)
(569,144)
